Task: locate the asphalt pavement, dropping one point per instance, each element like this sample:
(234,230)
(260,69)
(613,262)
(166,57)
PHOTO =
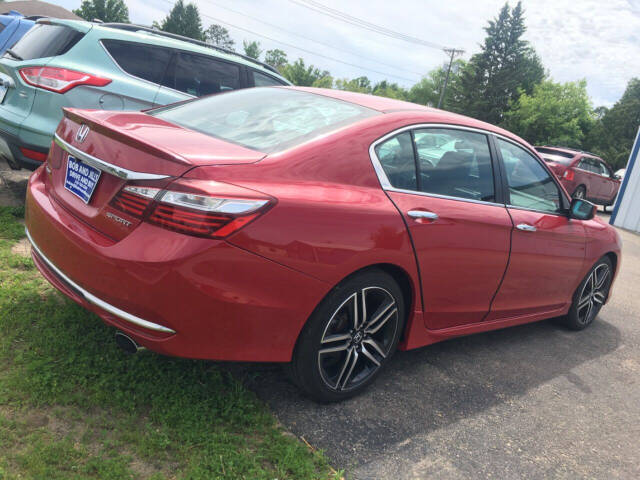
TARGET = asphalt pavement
(535,401)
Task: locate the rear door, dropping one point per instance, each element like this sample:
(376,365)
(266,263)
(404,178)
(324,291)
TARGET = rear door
(192,75)
(547,248)
(609,184)
(443,184)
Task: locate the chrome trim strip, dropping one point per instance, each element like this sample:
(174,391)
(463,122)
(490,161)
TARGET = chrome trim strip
(95,300)
(105,166)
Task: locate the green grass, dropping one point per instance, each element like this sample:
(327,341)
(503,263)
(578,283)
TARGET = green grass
(72,406)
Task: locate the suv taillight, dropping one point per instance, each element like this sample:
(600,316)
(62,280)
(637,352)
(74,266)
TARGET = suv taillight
(194,207)
(60,80)
(568,174)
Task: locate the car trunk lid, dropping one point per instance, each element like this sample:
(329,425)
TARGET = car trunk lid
(125,149)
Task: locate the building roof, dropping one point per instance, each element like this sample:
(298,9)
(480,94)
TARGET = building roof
(34,7)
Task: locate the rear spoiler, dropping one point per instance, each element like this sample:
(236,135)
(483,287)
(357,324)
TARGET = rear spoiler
(78,25)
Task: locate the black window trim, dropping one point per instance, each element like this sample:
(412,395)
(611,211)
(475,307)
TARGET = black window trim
(242,77)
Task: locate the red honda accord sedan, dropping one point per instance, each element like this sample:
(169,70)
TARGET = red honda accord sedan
(321,228)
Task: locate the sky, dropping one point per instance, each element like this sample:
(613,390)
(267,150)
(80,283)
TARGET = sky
(592,39)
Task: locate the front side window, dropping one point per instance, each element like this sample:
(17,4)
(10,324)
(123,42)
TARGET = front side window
(139,59)
(265,119)
(199,75)
(530,185)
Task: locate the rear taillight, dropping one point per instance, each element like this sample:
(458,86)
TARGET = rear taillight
(193,207)
(60,80)
(568,174)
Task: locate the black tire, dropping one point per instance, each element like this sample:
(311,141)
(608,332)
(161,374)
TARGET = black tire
(362,350)
(590,295)
(580,192)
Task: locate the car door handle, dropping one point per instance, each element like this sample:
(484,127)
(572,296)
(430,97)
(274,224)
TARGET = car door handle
(526,228)
(418,214)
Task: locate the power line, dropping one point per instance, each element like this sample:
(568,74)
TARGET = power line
(344,17)
(302,49)
(309,39)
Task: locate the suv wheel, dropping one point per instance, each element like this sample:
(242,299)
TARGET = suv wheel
(350,337)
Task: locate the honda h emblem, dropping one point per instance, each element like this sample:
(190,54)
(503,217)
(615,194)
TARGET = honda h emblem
(82,133)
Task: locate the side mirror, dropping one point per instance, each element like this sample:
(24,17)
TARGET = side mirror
(617,177)
(582,210)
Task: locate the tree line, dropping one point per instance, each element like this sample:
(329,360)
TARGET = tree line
(505,83)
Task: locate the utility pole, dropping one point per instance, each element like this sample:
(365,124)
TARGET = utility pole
(452,52)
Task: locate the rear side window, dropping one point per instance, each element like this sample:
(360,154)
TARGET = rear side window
(262,80)
(265,119)
(398,161)
(2,27)
(199,75)
(44,40)
(139,59)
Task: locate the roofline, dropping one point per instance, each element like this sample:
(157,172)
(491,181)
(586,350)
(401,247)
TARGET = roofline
(132,27)
(568,149)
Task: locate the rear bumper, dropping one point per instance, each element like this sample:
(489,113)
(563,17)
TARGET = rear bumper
(10,149)
(173,294)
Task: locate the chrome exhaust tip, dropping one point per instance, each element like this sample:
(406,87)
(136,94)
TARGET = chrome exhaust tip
(128,344)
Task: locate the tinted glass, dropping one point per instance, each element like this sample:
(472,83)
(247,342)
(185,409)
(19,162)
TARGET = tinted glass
(199,75)
(265,119)
(46,41)
(530,185)
(455,163)
(262,80)
(603,169)
(398,162)
(2,26)
(138,59)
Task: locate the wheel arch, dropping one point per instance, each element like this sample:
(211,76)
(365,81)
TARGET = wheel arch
(401,277)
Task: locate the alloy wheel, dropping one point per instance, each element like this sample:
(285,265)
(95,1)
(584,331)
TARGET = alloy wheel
(358,338)
(579,193)
(594,293)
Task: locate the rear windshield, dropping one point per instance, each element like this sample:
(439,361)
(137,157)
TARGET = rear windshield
(551,155)
(265,119)
(44,40)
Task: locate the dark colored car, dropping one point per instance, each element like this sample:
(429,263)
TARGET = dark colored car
(583,174)
(320,228)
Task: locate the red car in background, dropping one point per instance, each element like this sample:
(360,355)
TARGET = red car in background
(320,228)
(583,174)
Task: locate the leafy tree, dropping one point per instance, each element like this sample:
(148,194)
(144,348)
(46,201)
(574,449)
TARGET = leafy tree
(427,91)
(390,90)
(554,114)
(219,36)
(360,85)
(299,74)
(276,58)
(183,20)
(614,132)
(506,65)
(105,10)
(323,82)
(252,49)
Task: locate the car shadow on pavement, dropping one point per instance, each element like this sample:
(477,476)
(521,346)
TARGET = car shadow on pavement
(423,390)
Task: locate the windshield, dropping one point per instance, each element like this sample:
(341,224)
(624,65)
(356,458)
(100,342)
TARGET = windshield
(265,119)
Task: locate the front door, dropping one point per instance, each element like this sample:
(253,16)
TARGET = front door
(547,248)
(442,181)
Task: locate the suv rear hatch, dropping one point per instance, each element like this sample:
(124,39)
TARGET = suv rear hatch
(99,153)
(48,38)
